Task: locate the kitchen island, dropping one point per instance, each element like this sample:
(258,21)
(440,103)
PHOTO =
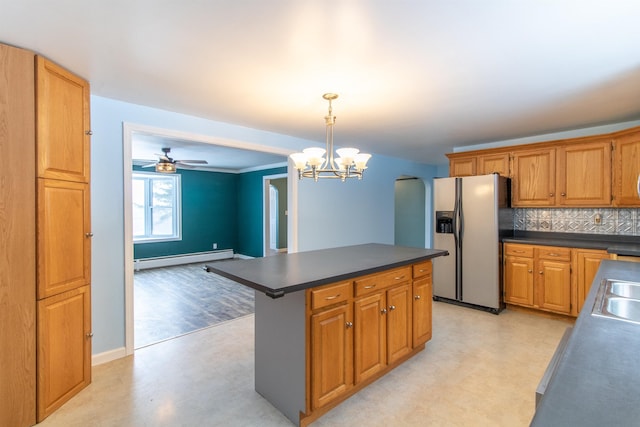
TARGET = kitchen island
(330,322)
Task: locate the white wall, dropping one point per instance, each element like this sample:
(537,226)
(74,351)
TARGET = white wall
(334,213)
(329,213)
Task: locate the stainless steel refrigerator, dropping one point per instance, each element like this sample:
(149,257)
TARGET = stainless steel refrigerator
(471,215)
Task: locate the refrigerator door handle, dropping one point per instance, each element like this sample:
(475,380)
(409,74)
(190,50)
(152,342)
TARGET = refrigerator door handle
(457,230)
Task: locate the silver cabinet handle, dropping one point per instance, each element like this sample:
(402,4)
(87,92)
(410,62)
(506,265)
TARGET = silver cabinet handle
(563,194)
(541,272)
(392,307)
(530,271)
(383,311)
(550,194)
(349,325)
(370,286)
(88,133)
(399,277)
(417,297)
(87,235)
(552,254)
(333,297)
(89,335)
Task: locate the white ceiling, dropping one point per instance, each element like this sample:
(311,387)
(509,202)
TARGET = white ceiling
(415,78)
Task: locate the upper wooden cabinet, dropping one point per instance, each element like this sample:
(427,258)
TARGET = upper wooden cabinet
(463,166)
(570,172)
(62,117)
(584,174)
(534,178)
(626,170)
(494,163)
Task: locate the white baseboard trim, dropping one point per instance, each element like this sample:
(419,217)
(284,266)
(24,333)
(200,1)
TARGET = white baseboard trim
(240,256)
(166,261)
(108,356)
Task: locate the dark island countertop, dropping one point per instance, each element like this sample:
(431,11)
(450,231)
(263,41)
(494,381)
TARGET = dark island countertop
(614,244)
(281,274)
(597,381)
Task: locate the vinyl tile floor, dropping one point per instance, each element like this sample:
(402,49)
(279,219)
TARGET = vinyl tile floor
(173,301)
(478,370)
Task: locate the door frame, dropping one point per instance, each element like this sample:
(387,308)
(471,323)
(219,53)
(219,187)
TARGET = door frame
(128,129)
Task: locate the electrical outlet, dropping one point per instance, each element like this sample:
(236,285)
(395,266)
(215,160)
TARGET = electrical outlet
(215,246)
(597,219)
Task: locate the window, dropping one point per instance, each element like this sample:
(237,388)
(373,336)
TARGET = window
(156,207)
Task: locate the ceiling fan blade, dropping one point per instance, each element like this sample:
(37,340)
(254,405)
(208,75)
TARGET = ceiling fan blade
(149,165)
(184,166)
(163,157)
(197,162)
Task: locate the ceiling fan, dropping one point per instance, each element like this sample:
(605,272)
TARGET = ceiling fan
(166,164)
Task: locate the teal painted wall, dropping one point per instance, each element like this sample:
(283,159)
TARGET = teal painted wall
(250,214)
(209,215)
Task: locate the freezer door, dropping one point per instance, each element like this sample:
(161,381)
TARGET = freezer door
(444,268)
(480,245)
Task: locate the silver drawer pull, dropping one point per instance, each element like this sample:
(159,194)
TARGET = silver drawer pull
(399,277)
(519,252)
(333,297)
(552,254)
(370,286)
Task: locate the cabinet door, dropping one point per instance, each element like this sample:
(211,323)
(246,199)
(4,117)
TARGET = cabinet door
(494,163)
(533,178)
(584,174)
(464,166)
(369,321)
(399,316)
(422,311)
(518,280)
(587,263)
(62,117)
(331,354)
(64,348)
(626,170)
(554,286)
(63,237)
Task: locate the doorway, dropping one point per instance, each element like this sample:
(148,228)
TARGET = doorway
(129,130)
(410,208)
(275,214)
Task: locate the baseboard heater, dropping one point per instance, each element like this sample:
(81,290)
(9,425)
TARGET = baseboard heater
(166,261)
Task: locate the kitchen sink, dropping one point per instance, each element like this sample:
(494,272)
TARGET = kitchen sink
(617,299)
(625,289)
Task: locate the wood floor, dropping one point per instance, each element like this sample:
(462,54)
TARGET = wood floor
(478,370)
(173,301)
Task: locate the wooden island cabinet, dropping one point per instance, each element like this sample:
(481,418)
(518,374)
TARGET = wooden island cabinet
(332,321)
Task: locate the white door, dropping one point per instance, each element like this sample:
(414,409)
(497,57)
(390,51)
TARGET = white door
(273,217)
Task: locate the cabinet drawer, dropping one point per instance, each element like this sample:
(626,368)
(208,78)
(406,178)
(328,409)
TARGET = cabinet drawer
(330,294)
(375,282)
(553,253)
(422,269)
(518,250)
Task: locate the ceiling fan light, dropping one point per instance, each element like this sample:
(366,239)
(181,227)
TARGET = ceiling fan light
(165,167)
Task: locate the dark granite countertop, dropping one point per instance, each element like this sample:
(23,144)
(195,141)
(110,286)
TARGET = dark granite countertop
(281,274)
(621,245)
(597,381)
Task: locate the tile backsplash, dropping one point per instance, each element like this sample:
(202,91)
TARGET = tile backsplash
(611,221)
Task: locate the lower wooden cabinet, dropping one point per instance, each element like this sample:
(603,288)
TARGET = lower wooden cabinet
(422,311)
(586,263)
(556,279)
(332,348)
(538,277)
(64,348)
(359,338)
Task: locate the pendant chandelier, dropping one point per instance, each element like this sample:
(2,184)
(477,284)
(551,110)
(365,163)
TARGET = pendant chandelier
(311,163)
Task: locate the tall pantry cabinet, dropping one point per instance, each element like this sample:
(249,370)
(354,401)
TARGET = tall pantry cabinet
(51,165)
